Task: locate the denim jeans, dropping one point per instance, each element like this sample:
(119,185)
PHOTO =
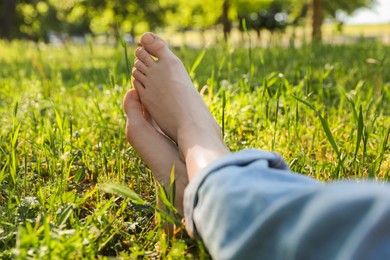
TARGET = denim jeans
(248,205)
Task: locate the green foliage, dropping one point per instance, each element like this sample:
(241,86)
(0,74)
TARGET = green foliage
(331,7)
(196,14)
(35,19)
(62,137)
(131,16)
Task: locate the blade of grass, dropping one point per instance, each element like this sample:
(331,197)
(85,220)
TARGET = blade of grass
(329,135)
(223,112)
(162,195)
(278,94)
(325,126)
(359,133)
(197,63)
(383,148)
(65,214)
(14,157)
(123,191)
(124,46)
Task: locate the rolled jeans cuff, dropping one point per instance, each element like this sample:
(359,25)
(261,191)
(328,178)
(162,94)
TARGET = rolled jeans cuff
(239,159)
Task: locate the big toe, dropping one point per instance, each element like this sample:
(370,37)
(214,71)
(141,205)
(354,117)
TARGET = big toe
(136,123)
(133,108)
(155,45)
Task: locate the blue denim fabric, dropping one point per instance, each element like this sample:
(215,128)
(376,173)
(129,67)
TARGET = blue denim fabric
(248,205)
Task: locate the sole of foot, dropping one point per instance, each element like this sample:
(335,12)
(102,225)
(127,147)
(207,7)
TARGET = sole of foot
(157,150)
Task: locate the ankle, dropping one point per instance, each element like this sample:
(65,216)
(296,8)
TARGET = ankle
(199,157)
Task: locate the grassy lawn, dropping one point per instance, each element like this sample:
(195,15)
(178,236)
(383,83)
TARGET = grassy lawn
(324,108)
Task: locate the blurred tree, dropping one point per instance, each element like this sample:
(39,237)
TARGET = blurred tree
(194,14)
(271,16)
(130,16)
(184,14)
(317,19)
(7,19)
(227,24)
(70,17)
(34,19)
(234,9)
(319,9)
(316,10)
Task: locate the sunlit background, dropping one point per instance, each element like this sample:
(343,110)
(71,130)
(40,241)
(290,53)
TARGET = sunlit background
(199,22)
(378,14)
(65,68)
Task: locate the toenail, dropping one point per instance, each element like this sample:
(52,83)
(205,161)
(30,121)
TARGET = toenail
(148,38)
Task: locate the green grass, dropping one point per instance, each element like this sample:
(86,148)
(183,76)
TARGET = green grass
(324,108)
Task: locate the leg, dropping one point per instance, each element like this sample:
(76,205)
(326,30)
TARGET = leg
(248,205)
(158,151)
(167,92)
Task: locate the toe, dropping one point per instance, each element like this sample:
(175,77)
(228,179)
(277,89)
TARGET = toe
(138,129)
(138,75)
(144,56)
(133,107)
(154,45)
(138,86)
(147,115)
(138,119)
(139,65)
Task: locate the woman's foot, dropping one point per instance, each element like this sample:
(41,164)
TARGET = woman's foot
(167,92)
(157,150)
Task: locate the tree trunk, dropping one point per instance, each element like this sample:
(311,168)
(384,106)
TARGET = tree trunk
(227,26)
(317,20)
(7,19)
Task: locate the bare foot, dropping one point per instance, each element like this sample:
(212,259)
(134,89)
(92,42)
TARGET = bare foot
(157,150)
(167,92)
